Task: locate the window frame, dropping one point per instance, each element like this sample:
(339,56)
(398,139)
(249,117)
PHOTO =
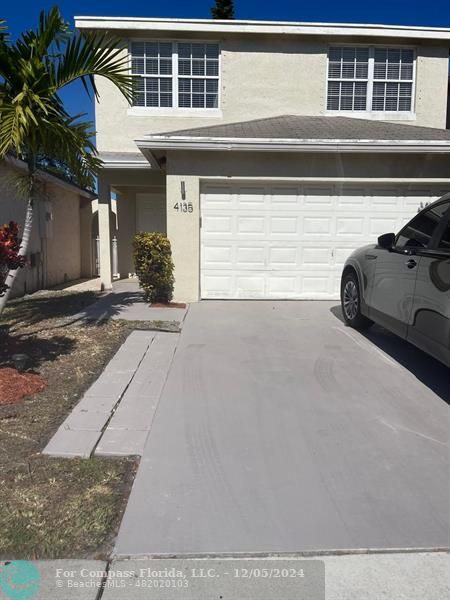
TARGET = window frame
(175,109)
(369,113)
(442,229)
(432,244)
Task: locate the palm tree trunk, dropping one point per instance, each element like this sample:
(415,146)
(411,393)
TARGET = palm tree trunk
(26,236)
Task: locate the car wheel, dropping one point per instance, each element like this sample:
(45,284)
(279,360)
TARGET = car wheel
(351,302)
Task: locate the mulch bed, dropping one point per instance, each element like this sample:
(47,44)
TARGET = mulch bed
(168,305)
(15,386)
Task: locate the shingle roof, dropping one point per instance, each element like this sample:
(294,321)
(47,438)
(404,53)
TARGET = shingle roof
(292,127)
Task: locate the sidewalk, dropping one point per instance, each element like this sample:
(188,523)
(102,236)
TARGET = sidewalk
(413,576)
(126,301)
(115,415)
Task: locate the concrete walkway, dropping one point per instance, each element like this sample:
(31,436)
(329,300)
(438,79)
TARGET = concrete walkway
(281,430)
(126,301)
(115,415)
(414,576)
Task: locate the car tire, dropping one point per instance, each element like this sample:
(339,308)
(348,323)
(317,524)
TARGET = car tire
(351,302)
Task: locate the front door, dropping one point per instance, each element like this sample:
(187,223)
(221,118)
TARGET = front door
(151,212)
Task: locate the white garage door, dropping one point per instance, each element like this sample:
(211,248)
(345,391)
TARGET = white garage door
(291,241)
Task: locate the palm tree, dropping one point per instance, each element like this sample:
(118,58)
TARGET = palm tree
(33,120)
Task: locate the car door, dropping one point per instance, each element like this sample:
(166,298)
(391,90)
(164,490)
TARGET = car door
(392,292)
(430,316)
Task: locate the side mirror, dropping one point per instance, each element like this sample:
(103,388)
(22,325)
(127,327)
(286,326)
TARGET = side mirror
(387,241)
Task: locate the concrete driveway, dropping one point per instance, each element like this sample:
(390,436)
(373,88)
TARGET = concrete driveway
(282,430)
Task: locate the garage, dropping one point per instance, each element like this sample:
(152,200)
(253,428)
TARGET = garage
(290,240)
(271,208)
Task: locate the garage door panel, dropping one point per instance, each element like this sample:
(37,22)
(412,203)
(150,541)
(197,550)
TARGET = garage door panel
(292,240)
(350,226)
(218,257)
(217,197)
(218,224)
(378,226)
(284,257)
(254,225)
(250,286)
(219,285)
(283,285)
(280,198)
(356,198)
(316,255)
(387,199)
(284,226)
(253,257)
(315,225)
(313,285)
(251,197)
(316,196)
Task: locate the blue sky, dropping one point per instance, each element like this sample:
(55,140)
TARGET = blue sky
(24,14)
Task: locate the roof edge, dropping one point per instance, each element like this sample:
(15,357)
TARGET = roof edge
(265,27)
(21,165)
(292,145)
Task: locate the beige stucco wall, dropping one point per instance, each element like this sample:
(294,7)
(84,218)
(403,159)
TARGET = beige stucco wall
(88,211)
(183,229)
(270,76)
(431,85)
(56,244)
(63,249)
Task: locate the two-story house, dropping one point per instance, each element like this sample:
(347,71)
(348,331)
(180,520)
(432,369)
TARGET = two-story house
(269,151)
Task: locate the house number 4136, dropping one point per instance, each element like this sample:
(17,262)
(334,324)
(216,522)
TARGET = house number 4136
(183,207)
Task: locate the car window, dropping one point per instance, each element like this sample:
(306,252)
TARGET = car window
(419,231)
(444,242)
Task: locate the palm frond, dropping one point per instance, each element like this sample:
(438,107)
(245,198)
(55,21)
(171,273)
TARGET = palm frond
(3,30)
(70,142)
(95,55)
(51,32)
(13,128)
(33,69)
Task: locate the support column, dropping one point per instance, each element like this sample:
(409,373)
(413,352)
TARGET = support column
(183,231)
(104,212)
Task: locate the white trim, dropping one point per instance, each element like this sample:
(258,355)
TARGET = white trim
(175,75)
(261,27)
(370,81)
(125,165)
(373,116)
(369,113)
(347,180)
(290,145)
(175,109)
(148,111)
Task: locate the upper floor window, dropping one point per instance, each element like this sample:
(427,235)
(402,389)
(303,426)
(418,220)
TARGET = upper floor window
(370,79)
(176,74)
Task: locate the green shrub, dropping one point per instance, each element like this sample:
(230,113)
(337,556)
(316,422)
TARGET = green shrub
(154,267)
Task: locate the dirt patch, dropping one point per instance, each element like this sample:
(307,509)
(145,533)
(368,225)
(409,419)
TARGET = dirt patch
(15,386)
(56,508)
(168,305)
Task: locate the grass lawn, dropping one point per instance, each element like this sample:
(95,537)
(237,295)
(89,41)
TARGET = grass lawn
(56,507)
